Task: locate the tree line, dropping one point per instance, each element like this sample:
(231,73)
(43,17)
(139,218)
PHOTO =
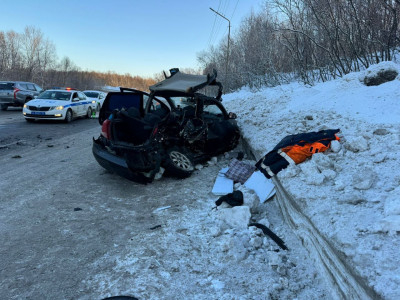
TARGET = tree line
(310,40)
(29,56)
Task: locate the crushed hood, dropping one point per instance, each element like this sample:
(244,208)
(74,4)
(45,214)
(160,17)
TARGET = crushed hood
(184,83)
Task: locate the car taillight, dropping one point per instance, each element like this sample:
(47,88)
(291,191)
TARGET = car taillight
(15,92)
(105,129)
(155,130)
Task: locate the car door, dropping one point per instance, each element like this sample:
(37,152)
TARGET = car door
(75,104)
(221,129)
(83,103)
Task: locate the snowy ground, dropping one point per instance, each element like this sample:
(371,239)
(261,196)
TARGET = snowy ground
(164,240)
(351,192)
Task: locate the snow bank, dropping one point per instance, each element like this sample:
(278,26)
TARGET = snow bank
(351,191)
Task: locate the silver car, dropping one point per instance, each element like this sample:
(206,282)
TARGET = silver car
(17,93)
(97,98)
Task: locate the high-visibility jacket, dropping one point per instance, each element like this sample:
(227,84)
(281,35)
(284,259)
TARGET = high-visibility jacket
(295,149)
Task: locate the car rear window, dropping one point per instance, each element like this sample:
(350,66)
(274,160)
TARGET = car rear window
(91,94)
(6,85)
(126,100)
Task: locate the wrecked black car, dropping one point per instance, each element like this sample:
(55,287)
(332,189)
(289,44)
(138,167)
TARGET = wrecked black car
(172,128)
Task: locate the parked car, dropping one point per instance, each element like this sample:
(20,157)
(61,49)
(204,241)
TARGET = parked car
(17,93)
(97,98)
(58,105)
(173,127)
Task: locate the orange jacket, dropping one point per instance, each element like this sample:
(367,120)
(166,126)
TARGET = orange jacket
(295,148)
(300,153)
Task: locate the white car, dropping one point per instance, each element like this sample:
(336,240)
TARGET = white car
(97,98)
(58,105)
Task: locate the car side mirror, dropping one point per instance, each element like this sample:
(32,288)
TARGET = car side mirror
(35,97)
(76,99)
(232,115)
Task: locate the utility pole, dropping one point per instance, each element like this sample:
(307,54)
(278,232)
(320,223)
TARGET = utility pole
(229,37)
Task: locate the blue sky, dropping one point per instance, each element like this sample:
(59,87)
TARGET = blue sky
(129,36)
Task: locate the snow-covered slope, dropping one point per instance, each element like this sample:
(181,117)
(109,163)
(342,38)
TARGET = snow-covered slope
(351,192)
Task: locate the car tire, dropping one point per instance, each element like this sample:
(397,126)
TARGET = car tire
(178,163)
(89,113)
(4,107)
(30,120)
(68,116)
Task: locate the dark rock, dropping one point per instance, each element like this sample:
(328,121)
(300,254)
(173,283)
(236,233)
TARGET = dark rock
(381,77)
(381,131)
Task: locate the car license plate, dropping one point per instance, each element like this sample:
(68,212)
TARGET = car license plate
(38,113)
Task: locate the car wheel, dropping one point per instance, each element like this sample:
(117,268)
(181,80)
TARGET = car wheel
(178,163)
(4,107)
(30,120)
(89,112)
(68,116)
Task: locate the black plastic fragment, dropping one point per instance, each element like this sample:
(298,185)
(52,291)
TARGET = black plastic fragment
(272,235)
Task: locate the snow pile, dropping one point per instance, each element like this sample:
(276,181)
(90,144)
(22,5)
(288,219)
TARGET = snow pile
(351,192)
(212,253)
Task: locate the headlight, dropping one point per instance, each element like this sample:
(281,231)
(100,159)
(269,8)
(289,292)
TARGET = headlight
(25,106)
(93,101)
(57,107)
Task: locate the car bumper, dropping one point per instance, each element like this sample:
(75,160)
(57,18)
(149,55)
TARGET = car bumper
(49,115)
(116,164)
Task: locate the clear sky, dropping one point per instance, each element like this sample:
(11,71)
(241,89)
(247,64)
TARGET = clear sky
(129,36)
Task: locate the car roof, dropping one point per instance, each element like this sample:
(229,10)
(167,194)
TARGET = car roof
(183,83)
(93,91)
(15,81)
(60,90)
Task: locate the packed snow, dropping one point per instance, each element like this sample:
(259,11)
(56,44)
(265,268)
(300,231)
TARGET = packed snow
(352,191)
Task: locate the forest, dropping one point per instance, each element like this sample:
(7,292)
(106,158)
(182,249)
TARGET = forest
(29,56)
(306,40)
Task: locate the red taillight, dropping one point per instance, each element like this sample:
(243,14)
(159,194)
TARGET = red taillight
(105,129)
(15,92)
(155,130)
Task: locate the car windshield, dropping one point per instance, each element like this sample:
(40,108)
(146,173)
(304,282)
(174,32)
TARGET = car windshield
(55,95)
(91,94)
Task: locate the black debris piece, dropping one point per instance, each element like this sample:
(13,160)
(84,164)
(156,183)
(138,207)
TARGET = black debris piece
(233,199)
(155,227)
(240,156)
(77,209)
(272,235)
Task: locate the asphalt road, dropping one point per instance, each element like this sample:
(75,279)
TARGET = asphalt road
(61,213)
(14,128)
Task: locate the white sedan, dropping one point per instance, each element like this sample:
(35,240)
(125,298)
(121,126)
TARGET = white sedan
(97,98)
(58,105)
